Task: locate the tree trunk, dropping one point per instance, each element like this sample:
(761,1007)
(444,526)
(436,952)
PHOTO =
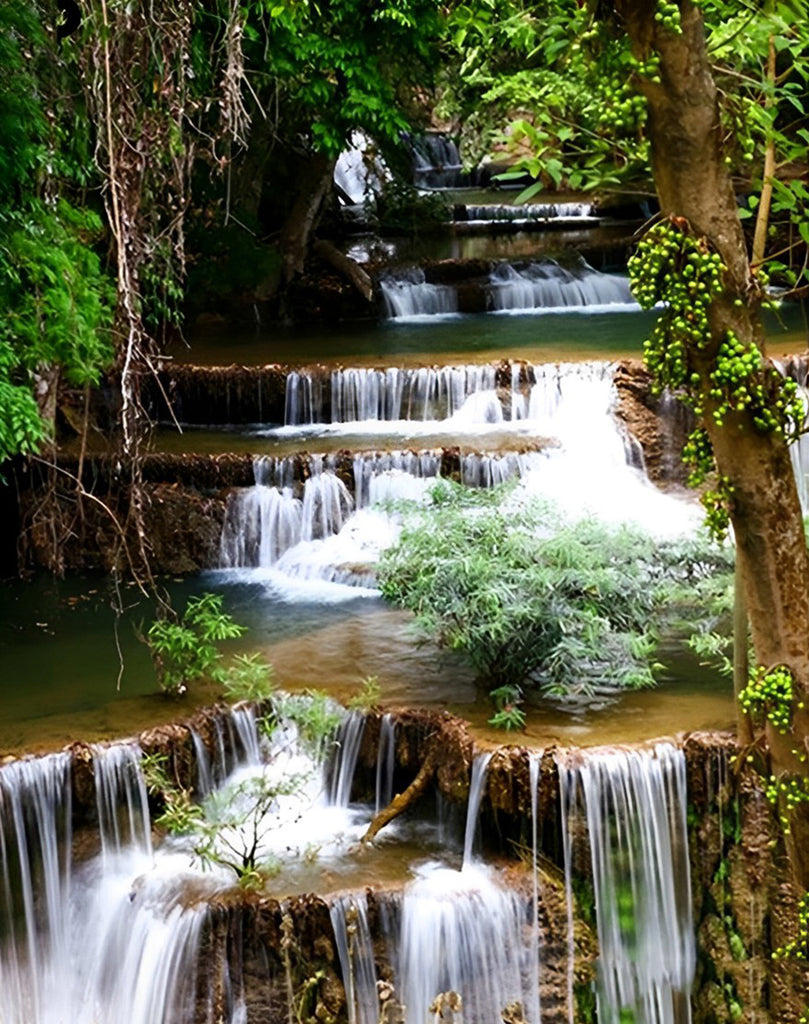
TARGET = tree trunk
(692,181)
(303,218)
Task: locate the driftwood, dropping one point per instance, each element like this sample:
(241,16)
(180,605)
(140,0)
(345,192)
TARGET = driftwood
(346,267)
(402,801)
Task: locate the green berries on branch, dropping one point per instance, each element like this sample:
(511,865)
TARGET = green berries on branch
(770,694)
(676,269)
(667,14)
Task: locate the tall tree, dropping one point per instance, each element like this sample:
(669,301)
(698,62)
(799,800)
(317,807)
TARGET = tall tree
(709,343)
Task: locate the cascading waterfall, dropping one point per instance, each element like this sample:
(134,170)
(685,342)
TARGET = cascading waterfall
(534,766)
(409,295)
(592,470)
(634,803)
(303,401)
(265,521)
(35,875)
(796,368)
(547,286)
(123,807)
(477,790)
(349,918)
(107,940)
(392,476)
(462,932)
(385,763)
(347,749)
(489,212)
(492,470)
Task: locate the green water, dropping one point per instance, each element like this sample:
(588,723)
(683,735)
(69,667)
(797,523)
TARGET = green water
(548,337)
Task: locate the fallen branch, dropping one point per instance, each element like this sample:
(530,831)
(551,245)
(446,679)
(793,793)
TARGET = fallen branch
(402,801)
(346,267)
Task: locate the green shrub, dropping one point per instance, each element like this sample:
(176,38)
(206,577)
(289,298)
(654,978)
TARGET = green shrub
(533,601)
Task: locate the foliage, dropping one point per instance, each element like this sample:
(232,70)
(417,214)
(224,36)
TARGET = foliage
(400,208)
(315,714)
(368,696)
(55,299)
(248,678)
(532,600)
(343,65)
(185,650)
(229,827)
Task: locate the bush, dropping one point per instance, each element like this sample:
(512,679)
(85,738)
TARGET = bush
(536,602)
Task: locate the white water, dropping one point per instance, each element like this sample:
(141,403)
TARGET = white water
(477,790)
(591,466)
(547,286)
(386,762)
(411,297)
(349,918)
(635,807)
(527,212)
(123,807)
(462,932)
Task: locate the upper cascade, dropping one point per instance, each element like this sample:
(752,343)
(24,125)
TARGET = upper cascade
(538,286)
(547,285)
(437,162)
(366,393)
(488,212)
(408,295)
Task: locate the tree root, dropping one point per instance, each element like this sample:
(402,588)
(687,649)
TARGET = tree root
(402,801)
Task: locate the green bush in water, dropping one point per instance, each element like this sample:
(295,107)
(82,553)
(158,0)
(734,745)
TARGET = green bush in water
(535,602)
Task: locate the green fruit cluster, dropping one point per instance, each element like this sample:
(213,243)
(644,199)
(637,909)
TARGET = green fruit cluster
(741,382)
(786,793)
(698,456)
(770,694)
(716,502)
(676,269)
(667,14)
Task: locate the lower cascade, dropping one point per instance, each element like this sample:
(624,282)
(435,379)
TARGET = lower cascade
(121,935)
(634,805)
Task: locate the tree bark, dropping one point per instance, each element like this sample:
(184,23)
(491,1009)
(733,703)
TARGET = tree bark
(302,220)
(692,182)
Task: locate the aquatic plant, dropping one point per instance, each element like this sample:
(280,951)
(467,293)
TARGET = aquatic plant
(186,649)
(534,601)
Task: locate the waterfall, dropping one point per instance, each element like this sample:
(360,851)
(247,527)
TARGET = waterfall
(263,522)
(492,470)
(634,803)
(303,401)
(581,212)
(392,476)
(349,918)
(534,766)
(347,749)
(385,762)
(547,285)
(360,171)
(436,162)
(410,295)
(35,883)
(461,932)
(360,394)
(477,789)
(123,806)
(592,471)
